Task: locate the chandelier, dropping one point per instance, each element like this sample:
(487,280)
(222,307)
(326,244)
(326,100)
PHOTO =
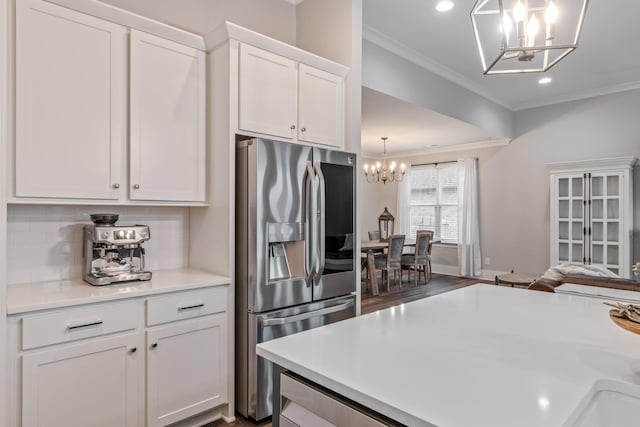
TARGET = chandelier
(379,172)
(526,36)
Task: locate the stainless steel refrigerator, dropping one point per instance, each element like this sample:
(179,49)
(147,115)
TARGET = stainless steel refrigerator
(295,263)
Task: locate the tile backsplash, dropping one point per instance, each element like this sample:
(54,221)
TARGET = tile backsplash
(45,242)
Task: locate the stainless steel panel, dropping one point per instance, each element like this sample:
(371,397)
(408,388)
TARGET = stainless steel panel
(304,403)
(281,323)
(337,218)
(275,189)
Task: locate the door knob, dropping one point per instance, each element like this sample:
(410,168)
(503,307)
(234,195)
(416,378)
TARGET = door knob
(303,130)
(293,127)
(116,186)
(136,186)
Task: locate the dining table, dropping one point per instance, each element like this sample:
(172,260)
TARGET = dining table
(367,246)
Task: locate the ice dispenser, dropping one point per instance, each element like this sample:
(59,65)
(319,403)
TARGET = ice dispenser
(286,250)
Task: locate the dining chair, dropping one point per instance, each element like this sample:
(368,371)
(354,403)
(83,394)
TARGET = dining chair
(391,261)
(429,233)
(419,259)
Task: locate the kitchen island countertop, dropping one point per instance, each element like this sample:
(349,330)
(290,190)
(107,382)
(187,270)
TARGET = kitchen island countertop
(22,298)
(478,356)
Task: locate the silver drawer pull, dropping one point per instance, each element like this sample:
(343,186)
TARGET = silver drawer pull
(84,325)
(190,307)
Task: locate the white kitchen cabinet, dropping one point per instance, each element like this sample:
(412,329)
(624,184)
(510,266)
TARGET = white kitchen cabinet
(167,101)
(320,106)
(186,368)
(92,383)
(287,99)
(591,213)
(152,360)
(71,112)
(267,93)
(70,103)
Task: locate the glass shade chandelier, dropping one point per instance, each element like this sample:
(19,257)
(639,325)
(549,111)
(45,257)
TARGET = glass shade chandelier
(526,36)
(380,172)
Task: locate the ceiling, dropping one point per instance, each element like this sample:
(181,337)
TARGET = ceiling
(607,60)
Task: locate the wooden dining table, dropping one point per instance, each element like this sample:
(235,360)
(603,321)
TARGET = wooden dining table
(375,245)
(372,245)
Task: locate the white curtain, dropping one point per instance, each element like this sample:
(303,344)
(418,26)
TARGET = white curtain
(404,194)
(469,256)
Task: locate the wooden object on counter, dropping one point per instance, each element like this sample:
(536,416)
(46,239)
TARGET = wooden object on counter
(624,323)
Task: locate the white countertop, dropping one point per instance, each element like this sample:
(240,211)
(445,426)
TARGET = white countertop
(483,355)
(28,297)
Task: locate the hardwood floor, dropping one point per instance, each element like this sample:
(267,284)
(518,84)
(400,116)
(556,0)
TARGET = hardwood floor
(409,292)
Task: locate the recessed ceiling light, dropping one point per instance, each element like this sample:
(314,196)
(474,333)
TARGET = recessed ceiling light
(544,80)
(444,6)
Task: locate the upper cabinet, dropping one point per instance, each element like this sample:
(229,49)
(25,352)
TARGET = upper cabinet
(268,93)
(167,120)
(282,97)
(71,112)
(320,106)
(70,103)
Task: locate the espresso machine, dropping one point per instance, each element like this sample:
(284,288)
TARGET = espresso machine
(113,253)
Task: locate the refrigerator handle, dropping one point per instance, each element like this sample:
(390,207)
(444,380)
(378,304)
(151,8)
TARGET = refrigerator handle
(321,231)
(309,256)
(277,321)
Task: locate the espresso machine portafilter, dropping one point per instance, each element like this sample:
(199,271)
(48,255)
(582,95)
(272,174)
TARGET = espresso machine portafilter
(113,253)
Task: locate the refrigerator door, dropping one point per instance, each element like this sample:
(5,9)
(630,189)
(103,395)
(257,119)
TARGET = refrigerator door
(335,224)
(281,323)
(277,187)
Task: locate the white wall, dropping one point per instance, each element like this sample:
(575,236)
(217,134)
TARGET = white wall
(514,181)
(46,241)
(386,72)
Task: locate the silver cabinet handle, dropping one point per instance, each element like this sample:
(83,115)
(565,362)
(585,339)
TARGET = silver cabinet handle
(136,186)
(303,130)
(154,345)
(277,321)
(190,307)
(84,325)
(115,186)
(293,127)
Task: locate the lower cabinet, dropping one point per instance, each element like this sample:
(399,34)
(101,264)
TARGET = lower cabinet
(93,383)
(186,369)
(143,361)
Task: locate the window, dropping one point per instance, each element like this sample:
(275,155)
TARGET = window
(433,201)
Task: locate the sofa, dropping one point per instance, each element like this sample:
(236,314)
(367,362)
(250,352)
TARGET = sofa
(547,285)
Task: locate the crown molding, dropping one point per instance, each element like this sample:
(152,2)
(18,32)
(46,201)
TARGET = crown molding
(594,164)
(623,87)
(132,20)
(444,149)
(392,45)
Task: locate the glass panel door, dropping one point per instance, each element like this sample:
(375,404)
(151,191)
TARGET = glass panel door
(605,217)
(569,219)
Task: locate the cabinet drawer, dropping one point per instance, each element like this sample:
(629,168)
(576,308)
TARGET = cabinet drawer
(185,305)
(77,323)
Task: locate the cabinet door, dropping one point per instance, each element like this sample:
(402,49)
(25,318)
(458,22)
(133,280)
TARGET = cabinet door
(607,221)
(268,97)
(568,237)
(167,120)
(186,369)
(70,103)
(321,107)
(90,384)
